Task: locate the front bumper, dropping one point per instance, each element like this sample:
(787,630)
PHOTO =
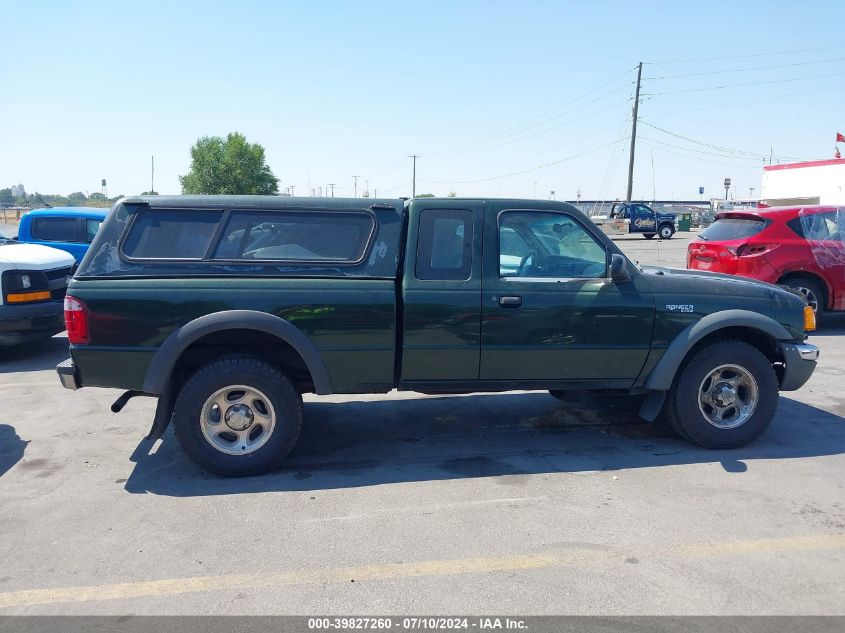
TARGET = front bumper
(799,361)
(30,322)
(67,374)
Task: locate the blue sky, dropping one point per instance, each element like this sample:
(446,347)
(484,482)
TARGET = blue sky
(485,92)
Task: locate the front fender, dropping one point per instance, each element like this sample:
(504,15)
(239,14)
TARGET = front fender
(664,372)
(158,373)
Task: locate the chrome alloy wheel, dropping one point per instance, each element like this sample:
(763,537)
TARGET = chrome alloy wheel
(237,420)
(728,396)
(810,296)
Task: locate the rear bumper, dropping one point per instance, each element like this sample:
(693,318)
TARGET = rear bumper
(67,375)
(799,364)
(25,323)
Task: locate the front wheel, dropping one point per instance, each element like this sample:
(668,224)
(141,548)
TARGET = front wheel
(810,289)
(724,397)
(666,231)
(238,416)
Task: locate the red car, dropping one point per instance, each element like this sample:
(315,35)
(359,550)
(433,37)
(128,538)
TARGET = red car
(799,247)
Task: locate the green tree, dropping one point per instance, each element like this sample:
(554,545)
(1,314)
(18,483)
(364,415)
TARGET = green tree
(425,195)
(150,193)
(76,199)
(452,194)
(228,166)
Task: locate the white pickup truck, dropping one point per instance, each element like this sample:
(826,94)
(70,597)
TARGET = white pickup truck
(33,281)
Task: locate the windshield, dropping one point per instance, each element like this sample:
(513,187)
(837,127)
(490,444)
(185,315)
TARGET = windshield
(732,229)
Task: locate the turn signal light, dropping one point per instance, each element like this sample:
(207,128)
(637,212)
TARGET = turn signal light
(24,297)
(809,319)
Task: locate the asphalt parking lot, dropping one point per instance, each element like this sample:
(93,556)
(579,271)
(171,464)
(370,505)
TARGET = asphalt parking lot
(409,504)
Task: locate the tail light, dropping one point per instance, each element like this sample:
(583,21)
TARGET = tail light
(747,250)
(76,321)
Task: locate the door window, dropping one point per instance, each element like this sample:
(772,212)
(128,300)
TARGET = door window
(550,245)
(54,229)
(91,228)
(444,250)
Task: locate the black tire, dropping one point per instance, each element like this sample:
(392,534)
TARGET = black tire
(666,231)
(684,415)
(648,236)
(811,289)
(251,372)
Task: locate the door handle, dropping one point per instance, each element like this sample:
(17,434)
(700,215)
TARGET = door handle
(510,302)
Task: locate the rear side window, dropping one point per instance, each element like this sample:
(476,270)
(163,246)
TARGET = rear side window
(54,229)
(296,236)
(732,229)
(829,225)
(444,250)
(171,234)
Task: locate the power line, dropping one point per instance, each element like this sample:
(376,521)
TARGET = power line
(742,104)
(701,151)
(769,54)
(500,140)
(546,130)
(525,171)
(648,142)
(742,70)
(751,83)
(533,120)
(755,155)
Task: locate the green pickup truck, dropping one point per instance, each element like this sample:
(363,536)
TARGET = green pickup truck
(228,308)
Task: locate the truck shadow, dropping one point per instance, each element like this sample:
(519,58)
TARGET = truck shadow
(12,448)
(367,443)
(35,356)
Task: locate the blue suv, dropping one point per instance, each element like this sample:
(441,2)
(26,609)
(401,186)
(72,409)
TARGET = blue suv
(70,229)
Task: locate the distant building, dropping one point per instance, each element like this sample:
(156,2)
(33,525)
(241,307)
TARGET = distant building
(18,191)
(812,182)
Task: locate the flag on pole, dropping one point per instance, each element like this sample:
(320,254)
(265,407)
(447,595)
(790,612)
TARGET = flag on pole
(840,138)
(836,154)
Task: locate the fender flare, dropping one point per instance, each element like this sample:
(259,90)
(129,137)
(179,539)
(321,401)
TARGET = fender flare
(161,367)
(663,374)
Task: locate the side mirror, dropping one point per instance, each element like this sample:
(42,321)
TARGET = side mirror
(619,268)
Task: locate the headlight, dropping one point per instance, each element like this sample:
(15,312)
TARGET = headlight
(25,287)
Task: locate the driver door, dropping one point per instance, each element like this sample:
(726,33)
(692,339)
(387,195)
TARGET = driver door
(549,312)
(620,222)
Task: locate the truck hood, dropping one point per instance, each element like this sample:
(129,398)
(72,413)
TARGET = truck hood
(32,257)
(700,293)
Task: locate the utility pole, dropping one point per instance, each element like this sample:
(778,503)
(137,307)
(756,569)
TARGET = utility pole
(292,187)
(634,134)
(414,176)
(331,184)
(355,190)
(152,174)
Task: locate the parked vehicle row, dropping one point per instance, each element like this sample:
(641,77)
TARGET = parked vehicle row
(228,308)
(35,266)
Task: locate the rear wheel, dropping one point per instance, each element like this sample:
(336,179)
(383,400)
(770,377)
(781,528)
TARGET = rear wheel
(811,289)
(666,231)
(724,397)
(238,416)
